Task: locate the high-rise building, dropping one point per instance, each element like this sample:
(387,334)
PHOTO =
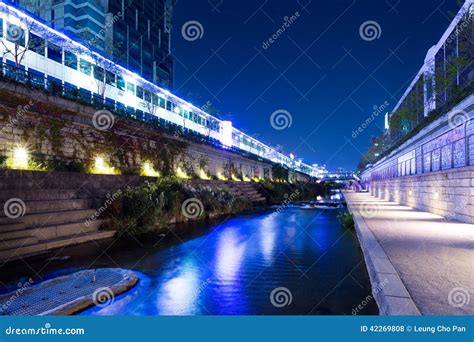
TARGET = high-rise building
(82,20)
(134,33)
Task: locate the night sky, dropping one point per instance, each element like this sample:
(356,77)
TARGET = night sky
(320,70)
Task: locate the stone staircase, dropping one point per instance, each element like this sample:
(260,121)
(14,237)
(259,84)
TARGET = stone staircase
(248,190)
(53,218)
(53,209)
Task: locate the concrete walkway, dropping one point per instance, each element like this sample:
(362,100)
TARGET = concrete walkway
(418,262)
(69,294)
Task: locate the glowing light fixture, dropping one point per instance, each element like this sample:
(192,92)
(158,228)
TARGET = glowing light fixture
(220,176)
(235,179)
(102,168)
(246,179)
(20,159)
(180,173)
(149,171)
(203,175)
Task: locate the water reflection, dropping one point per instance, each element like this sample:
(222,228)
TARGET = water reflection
(232,269)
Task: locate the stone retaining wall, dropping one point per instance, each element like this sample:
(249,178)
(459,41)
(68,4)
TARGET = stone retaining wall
(434,170)
(58,128)
(447,193)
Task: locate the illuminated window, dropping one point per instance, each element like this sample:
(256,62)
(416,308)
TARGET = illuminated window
(70,60)
(85,67)
(99,73)
(147,96)
(110,78)
(55,53)
(162,102)
(140,92)
(131,87)
(120,83)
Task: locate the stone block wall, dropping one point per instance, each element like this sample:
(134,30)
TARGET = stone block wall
(447,193)
(58,128)
(413,180)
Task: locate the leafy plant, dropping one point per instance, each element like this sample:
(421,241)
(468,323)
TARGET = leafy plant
(347,220)
(151,206)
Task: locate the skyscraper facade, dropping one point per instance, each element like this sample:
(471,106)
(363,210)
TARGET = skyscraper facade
(134,33)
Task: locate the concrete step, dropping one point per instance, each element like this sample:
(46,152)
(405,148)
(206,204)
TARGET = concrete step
(46,206)
(42,219)
(52,231)
(43,246)
(40,194)
(16,243)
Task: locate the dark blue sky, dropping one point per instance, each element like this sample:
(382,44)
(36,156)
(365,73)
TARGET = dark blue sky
(320,69)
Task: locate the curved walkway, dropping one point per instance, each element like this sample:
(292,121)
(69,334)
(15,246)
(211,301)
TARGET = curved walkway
(68,294)
(417,261)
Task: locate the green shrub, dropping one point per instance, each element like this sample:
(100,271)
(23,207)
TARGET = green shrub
(151,206)
(347,220)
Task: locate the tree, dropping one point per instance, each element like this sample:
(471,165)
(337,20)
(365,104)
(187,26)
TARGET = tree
(18,36)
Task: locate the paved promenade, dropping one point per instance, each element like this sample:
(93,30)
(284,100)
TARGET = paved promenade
(419,263)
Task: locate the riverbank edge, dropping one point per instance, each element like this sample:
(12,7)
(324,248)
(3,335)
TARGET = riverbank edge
(79,304)
(382,273)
